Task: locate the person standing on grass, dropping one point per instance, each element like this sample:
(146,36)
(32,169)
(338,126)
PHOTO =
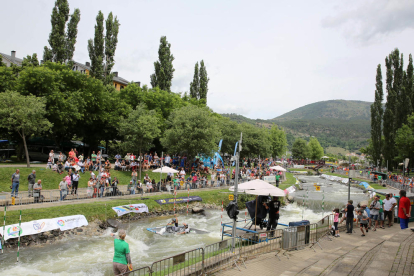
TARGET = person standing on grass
(404,210)
(32,180)
(15,183)
(349,217)
(122,258)
(381,213)
(363,222)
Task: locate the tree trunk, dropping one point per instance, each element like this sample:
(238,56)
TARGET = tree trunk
(140,164)
(25,149)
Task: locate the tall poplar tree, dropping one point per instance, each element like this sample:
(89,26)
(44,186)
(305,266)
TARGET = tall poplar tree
(164,70)
(195,84)
(102,49)
(62,40)
(409,89)
(376,117)
(203,81)
(389,114)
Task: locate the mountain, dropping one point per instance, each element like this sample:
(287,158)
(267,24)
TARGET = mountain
(336,123)
(335,109)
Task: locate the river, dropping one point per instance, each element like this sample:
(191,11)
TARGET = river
(80,255)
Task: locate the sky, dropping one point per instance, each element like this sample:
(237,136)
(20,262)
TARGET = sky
(263,58)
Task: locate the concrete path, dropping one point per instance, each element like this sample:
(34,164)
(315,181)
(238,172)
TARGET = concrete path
(383,252)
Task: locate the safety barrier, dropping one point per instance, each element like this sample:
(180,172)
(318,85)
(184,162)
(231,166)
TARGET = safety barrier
(143,271)
(187,263)
(220,255)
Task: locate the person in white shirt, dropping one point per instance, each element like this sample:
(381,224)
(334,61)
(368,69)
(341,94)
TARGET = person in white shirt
(52,156)
(389,204)
(75,183)
(182,172)
(67,165)
(213,178)
(167,160)
(81,165)
(117,165)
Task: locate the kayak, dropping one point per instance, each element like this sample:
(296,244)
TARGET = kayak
(168,230)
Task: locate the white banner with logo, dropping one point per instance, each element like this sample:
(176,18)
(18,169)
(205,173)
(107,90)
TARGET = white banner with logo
(270,179)
(43,225)
(131,208)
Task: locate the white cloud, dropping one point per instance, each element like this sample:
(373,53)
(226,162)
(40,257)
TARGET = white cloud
(372,20)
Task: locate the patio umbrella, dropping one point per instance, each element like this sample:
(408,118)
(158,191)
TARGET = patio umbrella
(278,168)
(165,170)
(258,187)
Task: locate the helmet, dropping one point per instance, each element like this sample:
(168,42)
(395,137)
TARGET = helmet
(173,219)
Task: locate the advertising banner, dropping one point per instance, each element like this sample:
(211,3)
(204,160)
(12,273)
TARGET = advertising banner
(270,179)
(178,200)
(131,208)
(43,225)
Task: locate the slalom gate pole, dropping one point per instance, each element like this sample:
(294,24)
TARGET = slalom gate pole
(245,219)
(303,205)
(18,242)
(323,203)
(175,194)
(221,223)
(4,230)
(188,199)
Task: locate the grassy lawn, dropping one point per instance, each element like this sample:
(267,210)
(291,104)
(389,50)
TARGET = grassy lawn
(290,179)
(103,210)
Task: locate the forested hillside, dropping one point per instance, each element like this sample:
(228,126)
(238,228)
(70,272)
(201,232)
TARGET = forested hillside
(336,123)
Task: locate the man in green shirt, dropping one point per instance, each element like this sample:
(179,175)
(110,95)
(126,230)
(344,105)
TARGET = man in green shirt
(277,180)
(122,259)
(381,212)
(93,155)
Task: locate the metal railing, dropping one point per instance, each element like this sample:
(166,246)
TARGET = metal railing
(142,271)
(220,255)
(187,263)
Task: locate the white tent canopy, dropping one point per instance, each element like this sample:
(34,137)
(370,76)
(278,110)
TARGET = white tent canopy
(259,187)
(165,170)
(325,157)
(278,168)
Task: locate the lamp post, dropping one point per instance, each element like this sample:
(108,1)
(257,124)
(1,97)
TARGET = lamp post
(236,180)
(349,178)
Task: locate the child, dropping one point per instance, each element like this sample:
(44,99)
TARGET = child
(363,220)
(336,220)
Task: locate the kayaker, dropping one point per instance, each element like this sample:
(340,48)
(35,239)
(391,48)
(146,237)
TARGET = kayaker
(186,229)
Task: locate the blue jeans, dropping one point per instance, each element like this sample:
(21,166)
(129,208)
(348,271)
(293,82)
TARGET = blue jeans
(404,223)
(82,169)
(15,188)
(101,191)
(62,197)
(134,182)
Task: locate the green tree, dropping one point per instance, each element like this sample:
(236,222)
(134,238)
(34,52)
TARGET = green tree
(30,61)
(102,49)
(203,81)
(278,140)
(2,64)
(24,115)
(376,117)
(192,130)
(404,141)
(164,69)
(315,149)
(139,129)
(230,133)
(195,84)
(256,141)
(61,40)
(300,149)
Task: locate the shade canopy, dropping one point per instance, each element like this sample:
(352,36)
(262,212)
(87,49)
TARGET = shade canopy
(259,187)
(325,157)
(278,168)
(165,170)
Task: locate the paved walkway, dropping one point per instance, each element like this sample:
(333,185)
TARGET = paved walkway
(384,252)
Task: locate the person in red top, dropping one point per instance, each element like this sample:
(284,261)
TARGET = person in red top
(404,210)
